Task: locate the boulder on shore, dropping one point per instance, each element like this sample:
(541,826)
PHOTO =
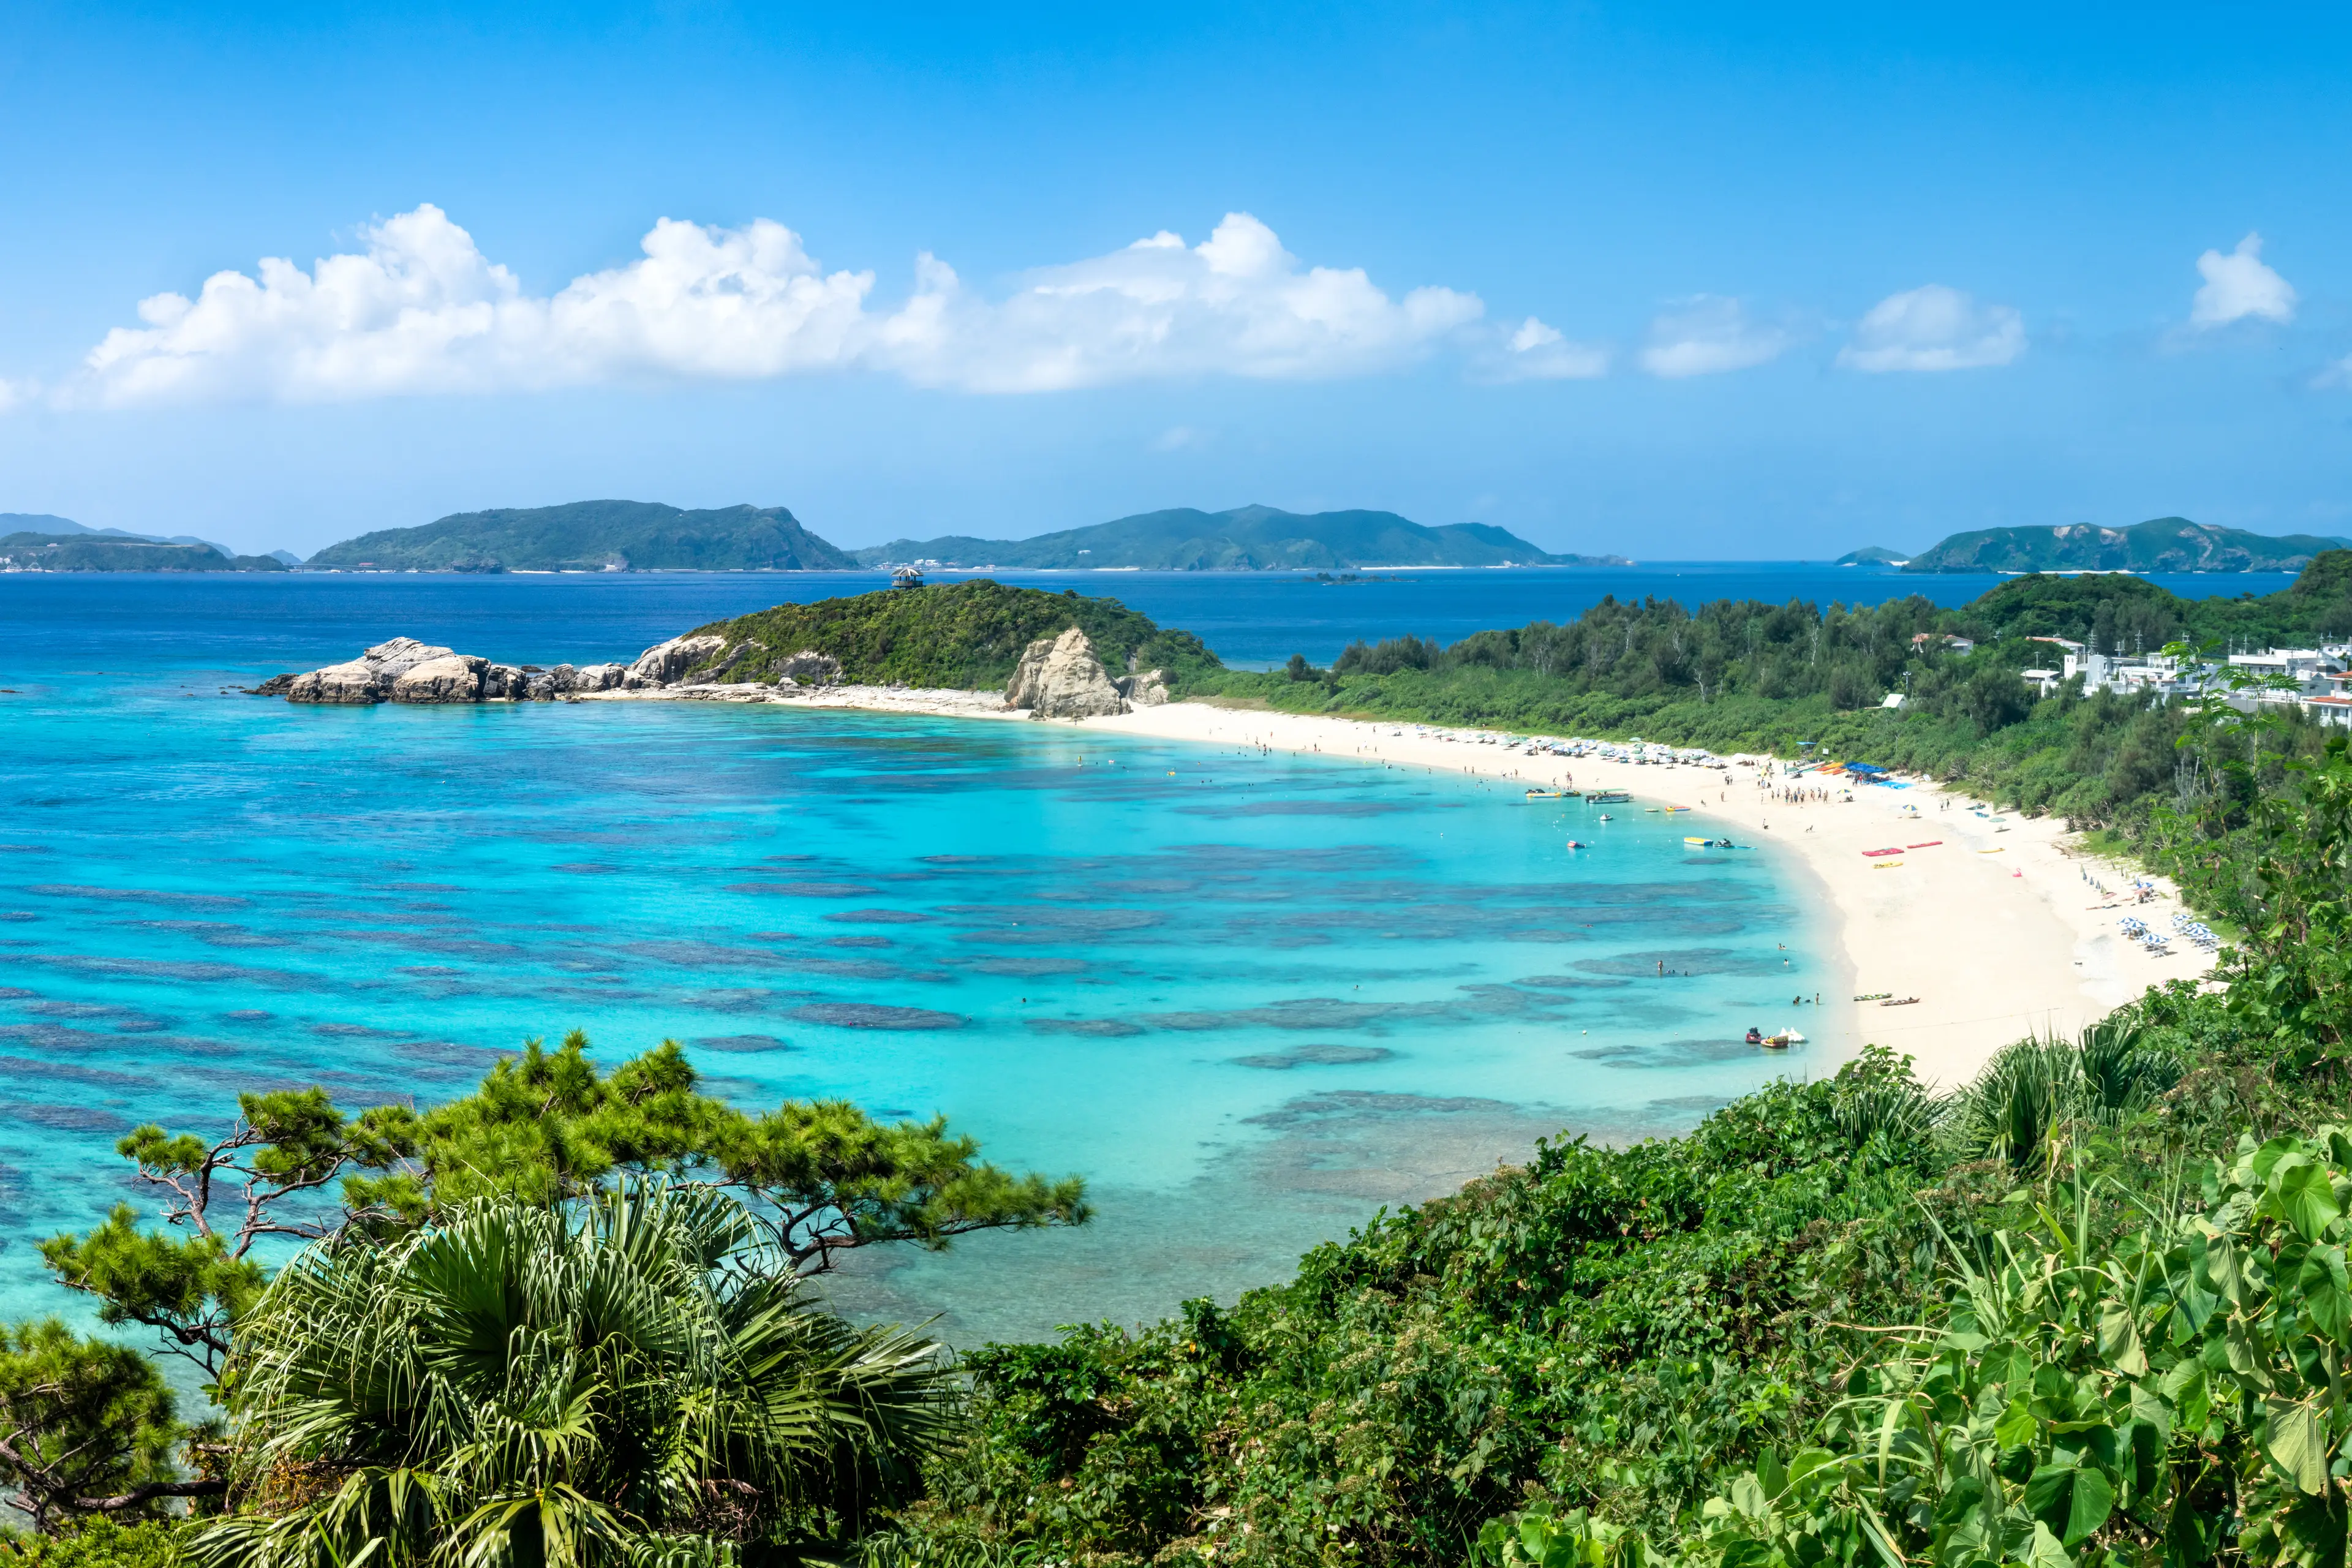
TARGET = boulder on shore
(1147,690)
(663,663)
(564,679)
(406,670)
(809,667)
(1060,677)
(367,678)
(454,677)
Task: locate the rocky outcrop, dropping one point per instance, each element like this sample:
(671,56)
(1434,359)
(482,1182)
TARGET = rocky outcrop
(663,663)
(1060,677)
(809,667)
(454,677)
(564,679)
(1146,689)
(406,670)
(367,678)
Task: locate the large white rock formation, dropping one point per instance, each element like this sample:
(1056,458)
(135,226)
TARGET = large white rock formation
(1060,677)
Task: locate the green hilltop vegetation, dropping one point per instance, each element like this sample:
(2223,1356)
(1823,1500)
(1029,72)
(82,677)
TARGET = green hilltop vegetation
(1872,555)
(965,636)
(594,536)
(30,552)
(1246,539)
(2159,545)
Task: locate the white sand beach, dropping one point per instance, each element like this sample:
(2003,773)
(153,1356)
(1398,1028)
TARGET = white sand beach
(1984,916)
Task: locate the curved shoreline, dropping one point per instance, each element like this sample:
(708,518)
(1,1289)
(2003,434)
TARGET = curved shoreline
(1993,929)
(1986,917)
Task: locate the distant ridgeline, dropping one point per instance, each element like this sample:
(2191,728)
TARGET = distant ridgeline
(96,553)
(38,541)
(594,536)
(2160,544)
(965,634)
(1246,539)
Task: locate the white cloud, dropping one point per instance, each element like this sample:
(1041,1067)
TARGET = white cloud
(1235,304)
(1534,351)
(1708,334)
(14,394)
(1934,327)
(421,309)
(2239,285)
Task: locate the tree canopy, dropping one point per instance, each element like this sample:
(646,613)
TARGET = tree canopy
(545,1127)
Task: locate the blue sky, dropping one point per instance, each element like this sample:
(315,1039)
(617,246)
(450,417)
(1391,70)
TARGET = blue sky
(1690,281)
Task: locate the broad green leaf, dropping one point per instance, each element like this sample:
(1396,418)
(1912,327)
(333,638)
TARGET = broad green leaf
(1810,1468)
(2281,1153)
(2195,1289)
(2119,1339)
(2044,1551)
(2326,1296)
(2296,1442)
(2150,1409)
(2072,1500)
(2244,1361)
(2305,1200)
(2222,1264)
(2016,1427)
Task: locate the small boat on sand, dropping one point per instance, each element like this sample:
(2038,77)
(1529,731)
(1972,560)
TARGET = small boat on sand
(1899,1001)
(1873,995)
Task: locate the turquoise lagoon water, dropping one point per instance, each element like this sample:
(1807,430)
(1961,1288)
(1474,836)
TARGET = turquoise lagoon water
(1252,999)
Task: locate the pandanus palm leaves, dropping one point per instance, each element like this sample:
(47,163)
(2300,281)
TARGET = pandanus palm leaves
(629,1380)
(2032,1089)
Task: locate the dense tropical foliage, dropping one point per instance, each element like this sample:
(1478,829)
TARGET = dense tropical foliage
(635,1376)
(545,1127)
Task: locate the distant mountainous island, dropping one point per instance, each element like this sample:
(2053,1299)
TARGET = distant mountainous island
(594,536)
(38,541)
(1872,555)
(1246,539)
(644,536)
(2159,545)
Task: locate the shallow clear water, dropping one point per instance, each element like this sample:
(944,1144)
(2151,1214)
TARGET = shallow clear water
(1251,998)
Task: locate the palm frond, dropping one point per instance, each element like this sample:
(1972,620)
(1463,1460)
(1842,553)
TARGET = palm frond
(628,1382)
